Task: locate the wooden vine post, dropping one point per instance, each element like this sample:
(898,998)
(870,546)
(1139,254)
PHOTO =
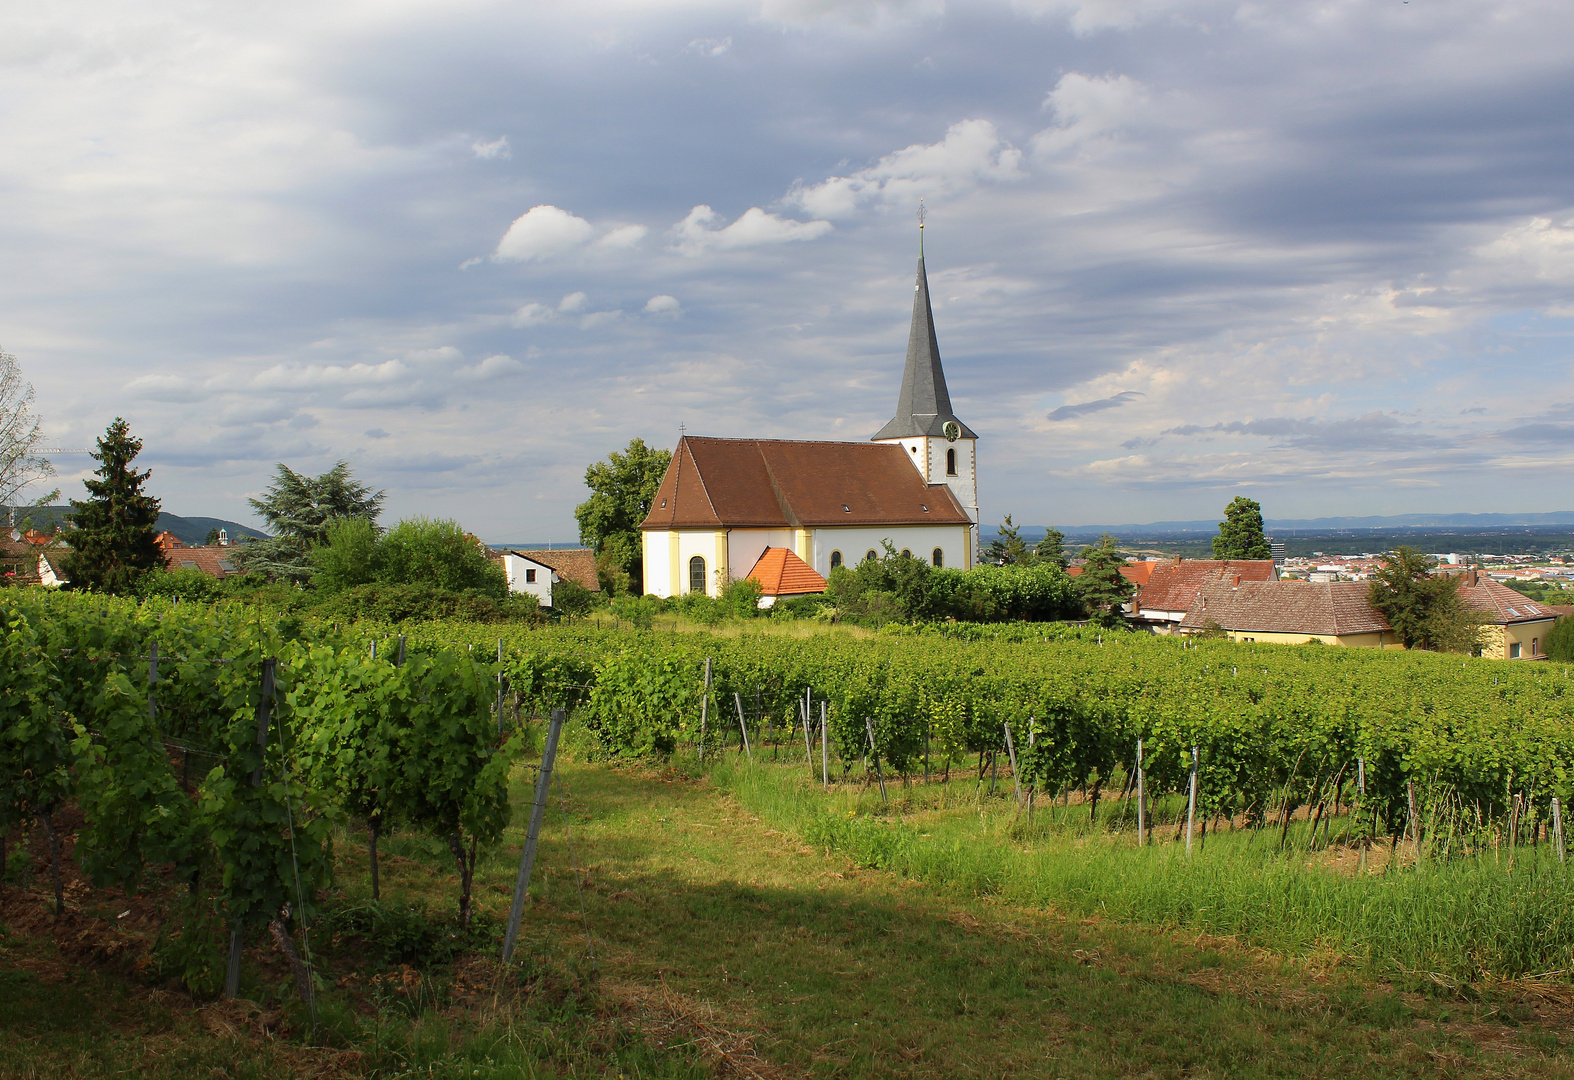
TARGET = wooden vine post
(1011,752)
(1557,826)
(825,749)
(1142,808)
(743,727)
(1191,800)
(264,719)
(527,858)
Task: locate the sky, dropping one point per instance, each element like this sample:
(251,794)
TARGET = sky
(1318,253)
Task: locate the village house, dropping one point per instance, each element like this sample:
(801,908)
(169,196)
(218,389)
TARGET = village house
(733,508)
(215,560)
(1170,589)
(534,572)
(1516,626)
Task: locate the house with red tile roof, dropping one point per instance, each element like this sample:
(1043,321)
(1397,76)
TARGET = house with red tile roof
(724,502)
(1172,587)
(1515,625)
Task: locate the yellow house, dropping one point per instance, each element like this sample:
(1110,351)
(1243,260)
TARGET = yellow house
(1516,626)
(1291,613)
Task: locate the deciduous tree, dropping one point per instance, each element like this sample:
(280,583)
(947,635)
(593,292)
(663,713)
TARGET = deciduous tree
(20,436)
(621,490)
(1424,609)
(1241,532)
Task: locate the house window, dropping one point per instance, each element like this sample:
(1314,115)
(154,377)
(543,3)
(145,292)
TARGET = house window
(697,574)
(937,557)
(950,462)
(530,577)
(1535,646)
(836,559)
(1513,651)
(870,556)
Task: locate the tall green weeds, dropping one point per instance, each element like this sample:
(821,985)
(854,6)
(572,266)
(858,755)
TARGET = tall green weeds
(1454,922)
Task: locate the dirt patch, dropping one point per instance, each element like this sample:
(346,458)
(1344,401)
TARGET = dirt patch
(668,1018)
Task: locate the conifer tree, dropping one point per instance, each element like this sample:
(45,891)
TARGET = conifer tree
(1052,549)
(115,541)
(1103,588)
(1007,548)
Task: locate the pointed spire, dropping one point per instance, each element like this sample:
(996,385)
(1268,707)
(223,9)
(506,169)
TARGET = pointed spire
(925,404)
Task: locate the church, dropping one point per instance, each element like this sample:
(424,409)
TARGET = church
(787,512)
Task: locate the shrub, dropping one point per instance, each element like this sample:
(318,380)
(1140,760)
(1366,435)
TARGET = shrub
(572,598)
(187,583)
(741,598)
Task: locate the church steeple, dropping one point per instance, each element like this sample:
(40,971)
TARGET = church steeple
(925,404)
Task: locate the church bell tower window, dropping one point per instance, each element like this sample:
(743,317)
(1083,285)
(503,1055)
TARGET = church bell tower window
(950,462)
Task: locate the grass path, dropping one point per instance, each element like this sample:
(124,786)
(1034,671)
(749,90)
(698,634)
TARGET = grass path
(725,946)
(842,972)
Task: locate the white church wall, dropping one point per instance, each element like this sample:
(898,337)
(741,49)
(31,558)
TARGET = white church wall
(745,546)
(666,557)
(954,541)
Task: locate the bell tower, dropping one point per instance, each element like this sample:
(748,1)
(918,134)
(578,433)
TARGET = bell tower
(941,447)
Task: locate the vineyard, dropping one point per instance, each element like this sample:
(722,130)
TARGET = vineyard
(225,749)
(1450,753)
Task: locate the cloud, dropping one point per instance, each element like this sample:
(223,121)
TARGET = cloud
(541,232)
(314,376)
(1372,431)
(862,13)
(623,236)
(532,315)
(1114,401)
(574,301)
(710,46)
(495,150)
(599,318)
(1475,410)
(664,306)
(377,433)
(162,387)
(1088,108)
(972,152)
(700,232)
(494,367)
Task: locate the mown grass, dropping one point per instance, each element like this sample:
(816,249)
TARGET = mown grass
(675,931)
(1455,922)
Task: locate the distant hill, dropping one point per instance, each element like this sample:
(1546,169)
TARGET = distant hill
(190,530)
(1333,524)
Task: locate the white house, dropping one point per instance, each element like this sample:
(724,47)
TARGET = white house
(527,576)
(534,572)
(723,502)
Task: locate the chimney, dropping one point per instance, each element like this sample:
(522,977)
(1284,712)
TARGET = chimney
(1237,581)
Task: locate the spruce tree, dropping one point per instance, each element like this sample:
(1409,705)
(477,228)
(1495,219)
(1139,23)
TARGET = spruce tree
(1052,549)
(115,541)
(1241,532)
(1007,548)
(1101,585)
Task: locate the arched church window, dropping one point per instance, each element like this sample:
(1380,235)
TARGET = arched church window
(697,574)
(907,553)
(950,462)
(938,557)
(836,559)
(870,556)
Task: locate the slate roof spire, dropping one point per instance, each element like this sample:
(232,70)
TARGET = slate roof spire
(925,404)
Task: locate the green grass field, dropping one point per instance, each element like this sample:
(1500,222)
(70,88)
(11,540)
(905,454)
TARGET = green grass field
(684,927)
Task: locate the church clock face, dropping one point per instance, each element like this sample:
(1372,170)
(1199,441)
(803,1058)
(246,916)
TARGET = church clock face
(952,431)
